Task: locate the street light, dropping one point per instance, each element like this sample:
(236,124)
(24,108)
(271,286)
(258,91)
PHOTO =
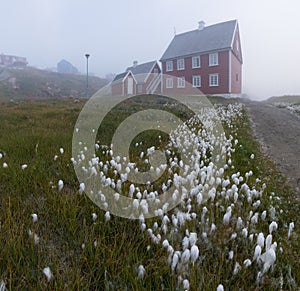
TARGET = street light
(87,75)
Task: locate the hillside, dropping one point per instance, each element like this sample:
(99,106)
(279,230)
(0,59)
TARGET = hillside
(32,83)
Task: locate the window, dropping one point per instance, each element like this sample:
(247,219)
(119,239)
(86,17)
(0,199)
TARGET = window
(213,59)
(180,64)
(196,62)
(155,71)
(169,66)
(213,80)
(196,81)
(140,88)
(169,83)
(180,82)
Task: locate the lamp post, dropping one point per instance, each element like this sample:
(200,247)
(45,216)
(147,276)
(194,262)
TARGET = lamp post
(87,75)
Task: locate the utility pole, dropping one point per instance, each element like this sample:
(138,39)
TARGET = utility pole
(87,75)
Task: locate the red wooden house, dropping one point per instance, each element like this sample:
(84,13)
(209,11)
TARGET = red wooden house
(209,58)
(138,79)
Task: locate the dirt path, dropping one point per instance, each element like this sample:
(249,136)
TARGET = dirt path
(278,131)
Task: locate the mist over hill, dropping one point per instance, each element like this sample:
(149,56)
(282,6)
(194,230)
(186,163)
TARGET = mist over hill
(32,83)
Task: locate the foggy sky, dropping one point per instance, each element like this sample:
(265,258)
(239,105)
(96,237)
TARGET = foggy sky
(116,33)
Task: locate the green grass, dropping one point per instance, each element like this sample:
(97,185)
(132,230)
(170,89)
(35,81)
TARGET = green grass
(32,133)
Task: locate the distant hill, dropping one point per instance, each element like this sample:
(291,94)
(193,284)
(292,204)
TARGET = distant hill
(287,99)
(32,83)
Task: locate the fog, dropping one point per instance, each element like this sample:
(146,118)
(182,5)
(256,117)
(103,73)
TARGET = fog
(115,33)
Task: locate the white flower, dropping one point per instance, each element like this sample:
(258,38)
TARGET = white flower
(36,239)
(185,257)
(60,185)
(252,156)
(4,166)
(186,284)
(230,255)
(227,215)
(291,227)
(61,150)
(273,226)
(48,273)
(237,268)
(165,243)
(2,284)
(94,216)
(261,240)
(175,261)
(107,216)
(194,253)
(257,252)
(268,241)
(247,263)
(269,257)
(24,167)
(81,188)
(220,287)
(141,272)
(34,217)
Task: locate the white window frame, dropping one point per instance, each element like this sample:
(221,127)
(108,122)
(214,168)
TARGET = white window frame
(196,81)
(169,83)
(195,62)
(180,64)
(213,59)
(213,80)
(181,82)
(169,66)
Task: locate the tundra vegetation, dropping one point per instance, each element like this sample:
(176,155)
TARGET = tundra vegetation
(245,236)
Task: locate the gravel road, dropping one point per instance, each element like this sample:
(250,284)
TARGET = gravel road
(278,131)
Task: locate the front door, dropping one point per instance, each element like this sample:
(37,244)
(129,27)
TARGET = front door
(130,86)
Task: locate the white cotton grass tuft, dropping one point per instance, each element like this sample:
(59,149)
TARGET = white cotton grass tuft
(252,156)
(23,167)
(34,217)
(237,268)
(186,284)
(194,254)
(47,272)
(2,286)
(227,216)
(291,228)
(61,150)
(257,252)
(4,165)
(273,226)
(220,287)
(269,257)
(94,216)
(141,272)
(260,240)
(81,188)
(247,263)
(107,216)
(60,185)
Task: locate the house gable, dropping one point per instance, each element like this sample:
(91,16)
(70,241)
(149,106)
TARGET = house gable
(216,51)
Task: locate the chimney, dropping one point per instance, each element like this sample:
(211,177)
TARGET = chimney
(135,63)
(201,25)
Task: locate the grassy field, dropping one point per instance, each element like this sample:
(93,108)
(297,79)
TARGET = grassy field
(98,252)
